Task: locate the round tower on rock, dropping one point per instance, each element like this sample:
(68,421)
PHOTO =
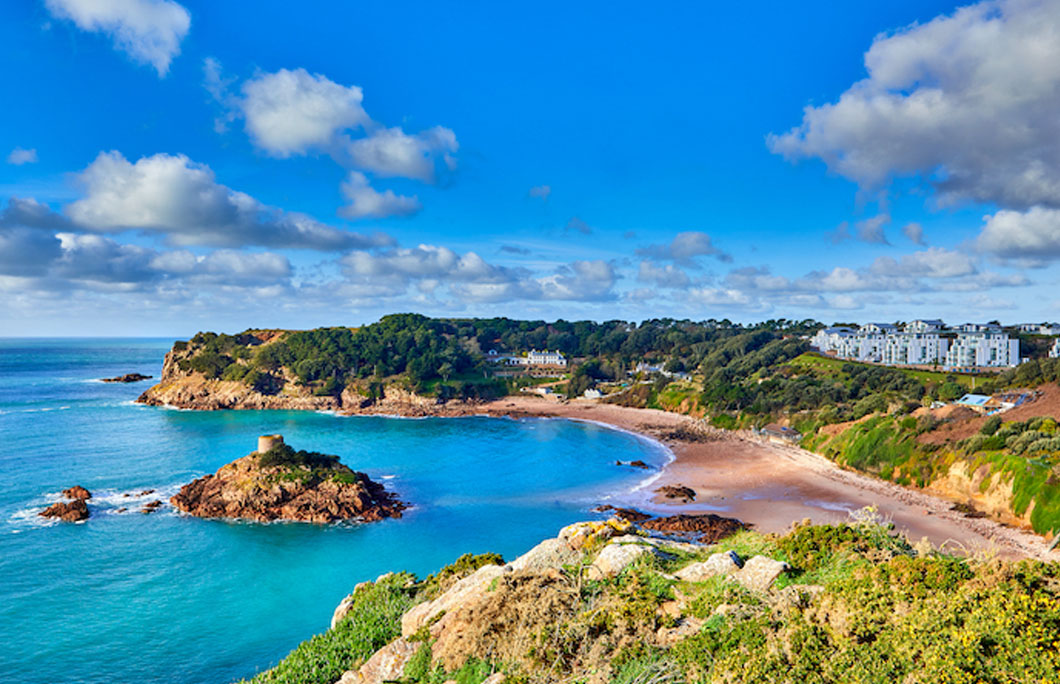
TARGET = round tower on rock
(266,442)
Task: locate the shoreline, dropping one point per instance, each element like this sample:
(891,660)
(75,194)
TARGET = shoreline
(771,486)
(767,485)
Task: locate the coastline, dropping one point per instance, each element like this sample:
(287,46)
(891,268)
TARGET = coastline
(766,485)
(770,486)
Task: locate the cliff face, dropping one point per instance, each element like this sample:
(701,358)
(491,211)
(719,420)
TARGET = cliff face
(189,389)
(246,490)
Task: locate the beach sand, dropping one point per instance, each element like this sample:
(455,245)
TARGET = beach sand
(771,486)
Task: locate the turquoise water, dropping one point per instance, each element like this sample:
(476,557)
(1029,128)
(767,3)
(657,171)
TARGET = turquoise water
(127,597)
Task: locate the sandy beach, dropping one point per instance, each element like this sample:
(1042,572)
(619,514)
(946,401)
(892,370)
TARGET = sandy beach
(771,486)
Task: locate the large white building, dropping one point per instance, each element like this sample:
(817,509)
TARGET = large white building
(923,342)
(982,350)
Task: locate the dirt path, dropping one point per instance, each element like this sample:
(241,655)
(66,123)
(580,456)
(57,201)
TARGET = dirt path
(771,485)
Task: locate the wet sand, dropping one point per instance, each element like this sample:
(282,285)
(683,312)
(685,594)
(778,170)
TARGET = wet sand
(771,486)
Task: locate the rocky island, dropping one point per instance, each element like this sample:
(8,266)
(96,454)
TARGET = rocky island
(278,483)
(75,509)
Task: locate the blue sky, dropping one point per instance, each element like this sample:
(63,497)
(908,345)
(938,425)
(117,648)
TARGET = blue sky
(180,166)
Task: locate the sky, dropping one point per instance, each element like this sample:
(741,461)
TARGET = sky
(172,166)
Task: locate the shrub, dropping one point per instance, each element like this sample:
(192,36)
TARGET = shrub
(285,456)
(991,425)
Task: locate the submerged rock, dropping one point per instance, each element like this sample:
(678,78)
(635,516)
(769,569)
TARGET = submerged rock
(128,377)
(287,485)
(151,507)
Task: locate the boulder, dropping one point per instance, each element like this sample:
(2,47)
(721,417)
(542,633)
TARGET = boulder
(725,563)
(470,589)
(759,573)
(615,558)
(151,507)
(681,492)
(67,511)
(386,665)
(578,535)
(77,492)
(551,553)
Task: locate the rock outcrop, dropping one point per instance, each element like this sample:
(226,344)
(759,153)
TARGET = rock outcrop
(706,528)
(67,511)
(128,377)
(685,494)
(77,492)
(74,510)
(297,486)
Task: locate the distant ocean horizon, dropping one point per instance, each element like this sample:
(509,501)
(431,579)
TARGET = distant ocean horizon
(128,597)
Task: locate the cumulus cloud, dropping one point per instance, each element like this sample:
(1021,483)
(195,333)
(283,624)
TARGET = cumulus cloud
(390,152)
(934,262)
(662,276)
(29,213)
(181,200)
(27,252)
(541,192)
(19,156)
(967,100)
(684,249)
(469,277)
(1031,236)
(366,201)
(149,31)
(291,111)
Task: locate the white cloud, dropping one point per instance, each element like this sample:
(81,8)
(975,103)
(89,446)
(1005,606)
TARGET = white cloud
(19,156)
(662,276)
(587,280)
(577,225)
(174,196)
(291,111)
(149,31)
(934,262)
(1031,236)
(967,100)
(684,249)
(365,201)
(390,152)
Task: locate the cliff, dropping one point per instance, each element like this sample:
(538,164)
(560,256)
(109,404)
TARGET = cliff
(604,602)
(182,386)
(286,485)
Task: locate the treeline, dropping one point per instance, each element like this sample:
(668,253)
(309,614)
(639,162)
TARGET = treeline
(446,356)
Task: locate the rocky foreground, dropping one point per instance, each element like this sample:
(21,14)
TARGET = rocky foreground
(283,484)
(612,602)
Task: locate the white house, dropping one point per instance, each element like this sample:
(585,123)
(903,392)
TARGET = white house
(921,325)
(545,358)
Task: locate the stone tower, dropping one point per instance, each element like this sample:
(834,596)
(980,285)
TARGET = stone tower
(266,442)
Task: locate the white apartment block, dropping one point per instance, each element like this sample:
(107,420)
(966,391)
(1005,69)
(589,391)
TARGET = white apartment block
(922,342)
(983,350)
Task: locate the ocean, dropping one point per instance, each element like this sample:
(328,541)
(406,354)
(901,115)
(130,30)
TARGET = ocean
(128,597)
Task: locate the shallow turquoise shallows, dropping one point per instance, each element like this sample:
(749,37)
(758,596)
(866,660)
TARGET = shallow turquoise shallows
(133,598)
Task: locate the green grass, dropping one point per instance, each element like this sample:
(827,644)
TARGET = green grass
(374,620)
(829,367)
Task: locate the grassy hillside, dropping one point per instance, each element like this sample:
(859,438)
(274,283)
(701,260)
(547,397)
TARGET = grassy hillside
(857,605)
